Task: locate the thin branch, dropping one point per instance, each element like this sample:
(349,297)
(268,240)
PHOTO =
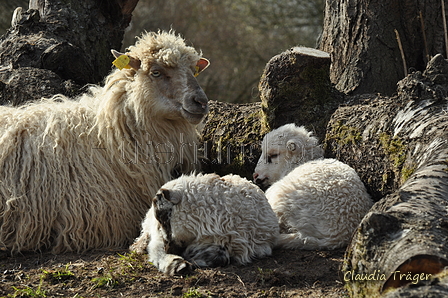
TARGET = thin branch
(424,36)
(402,53)
(444,27)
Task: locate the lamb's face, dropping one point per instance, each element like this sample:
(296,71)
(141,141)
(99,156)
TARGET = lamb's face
(279,156)
(283,150)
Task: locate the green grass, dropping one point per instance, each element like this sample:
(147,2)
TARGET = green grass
(194,293)
(30,292)
(58,275)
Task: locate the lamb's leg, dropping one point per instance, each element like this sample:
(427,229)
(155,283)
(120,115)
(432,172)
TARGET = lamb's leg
(141,243)
(207,255)
(159,223)
(167,263)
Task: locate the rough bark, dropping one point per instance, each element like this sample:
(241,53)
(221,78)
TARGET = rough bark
(361,39)
(399,147)
(232,138)
(295,88)
(6,12)
(59,46)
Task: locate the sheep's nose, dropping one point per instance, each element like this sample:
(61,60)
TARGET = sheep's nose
(201,100)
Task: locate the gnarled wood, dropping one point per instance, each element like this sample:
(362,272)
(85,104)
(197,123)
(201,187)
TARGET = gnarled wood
(59,46)
(399,146)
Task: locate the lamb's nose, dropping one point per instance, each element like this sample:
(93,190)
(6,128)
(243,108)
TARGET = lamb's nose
(255,175)
(260,181)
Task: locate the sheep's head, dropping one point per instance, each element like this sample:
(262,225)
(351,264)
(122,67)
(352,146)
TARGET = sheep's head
(283,149)
(163,68)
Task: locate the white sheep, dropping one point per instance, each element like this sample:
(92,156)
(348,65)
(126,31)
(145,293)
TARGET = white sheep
(207,221)
(319,203)
(79,174)
(283,149)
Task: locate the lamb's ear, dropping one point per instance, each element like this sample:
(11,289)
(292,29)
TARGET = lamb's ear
(291,145)
(167,195)
(125,61)
(201,65)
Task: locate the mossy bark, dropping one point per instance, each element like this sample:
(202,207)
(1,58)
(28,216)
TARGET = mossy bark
(231,138)
(399,147)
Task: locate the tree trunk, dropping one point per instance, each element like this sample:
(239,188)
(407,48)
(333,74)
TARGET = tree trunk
(232,138)
(397,144)
(365,54)
(57,47)
(6,12)
(295,88)
(399,147)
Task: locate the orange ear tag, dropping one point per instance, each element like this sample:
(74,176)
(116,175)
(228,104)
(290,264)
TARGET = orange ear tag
(200,66)
(121,62)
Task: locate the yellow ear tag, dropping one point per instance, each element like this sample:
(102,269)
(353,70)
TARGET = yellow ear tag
(122,62)
(196,73)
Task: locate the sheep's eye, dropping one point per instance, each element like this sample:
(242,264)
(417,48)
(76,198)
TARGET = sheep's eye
(156,73)
(270,157)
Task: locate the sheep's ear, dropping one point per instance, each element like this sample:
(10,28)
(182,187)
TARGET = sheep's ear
(291,145)
(201,65)
(125,61)
(116,53)
(167,195)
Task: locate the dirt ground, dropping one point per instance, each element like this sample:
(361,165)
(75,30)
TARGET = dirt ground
(123,274)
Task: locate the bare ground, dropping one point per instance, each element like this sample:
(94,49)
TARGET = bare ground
(123,274)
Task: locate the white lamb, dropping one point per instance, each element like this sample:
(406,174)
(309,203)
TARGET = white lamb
(78,174)
(207,221)
(319,204)
(283,149)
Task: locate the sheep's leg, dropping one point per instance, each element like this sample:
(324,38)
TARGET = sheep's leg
(207,255)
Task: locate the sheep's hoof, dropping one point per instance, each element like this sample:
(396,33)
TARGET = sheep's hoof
(179,266)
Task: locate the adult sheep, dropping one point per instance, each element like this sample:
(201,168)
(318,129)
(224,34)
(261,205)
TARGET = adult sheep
(207,221)
(79,174)
(318,204)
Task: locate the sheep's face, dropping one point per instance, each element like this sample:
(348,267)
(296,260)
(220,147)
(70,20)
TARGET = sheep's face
(162,69)
(180,93)
(283,150)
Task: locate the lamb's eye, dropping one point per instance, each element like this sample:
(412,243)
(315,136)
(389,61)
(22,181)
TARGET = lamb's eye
(270,157)
(156,73)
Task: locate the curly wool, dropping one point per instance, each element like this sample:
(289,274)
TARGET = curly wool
(283,149)
(79,174)
(319,205)
(165,48)
(228,211)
